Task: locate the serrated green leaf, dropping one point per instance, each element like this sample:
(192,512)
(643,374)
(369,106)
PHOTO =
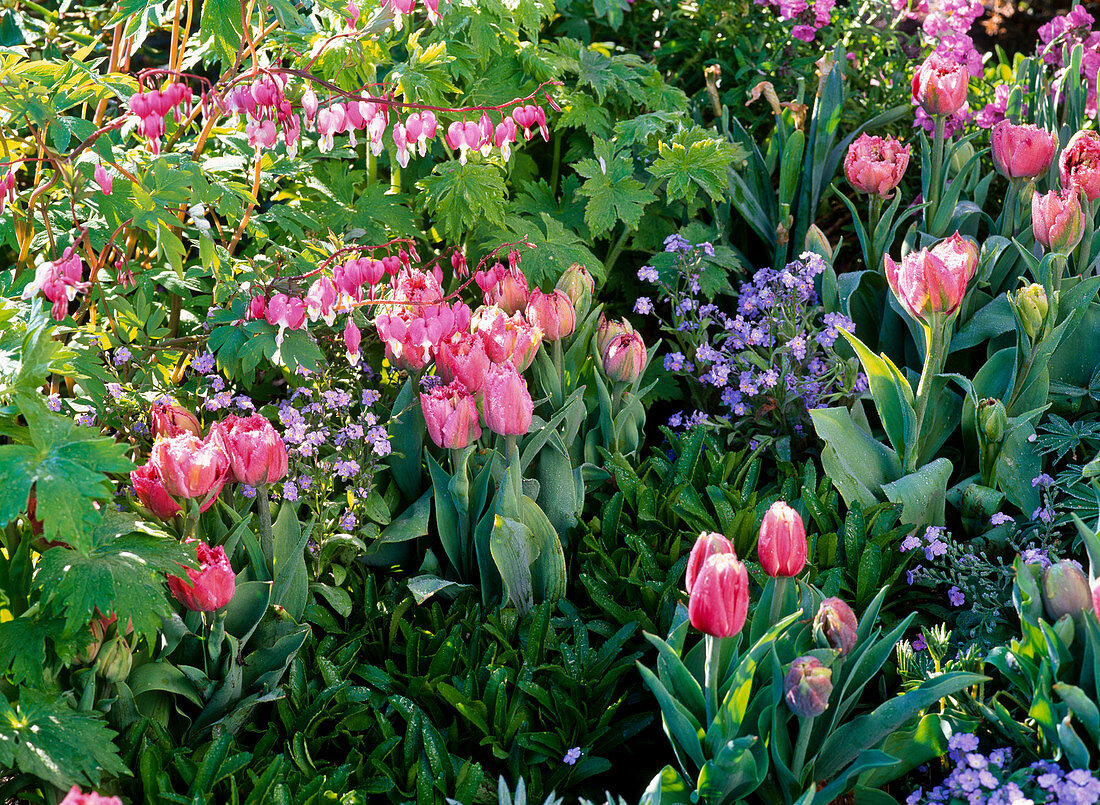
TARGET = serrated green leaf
(613,193)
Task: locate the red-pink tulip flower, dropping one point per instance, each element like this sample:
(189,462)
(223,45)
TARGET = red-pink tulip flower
(940,85)
(607,330)
(933,280)
(256,453)
(507,405)
(1096,598)
(507,338)
(1057,220)
(837,625)
(509,292)
(1022,152)
(462,357)
(625,358)
(151,492)
(959,254)
(450,413)
(211,586)
(781,547)
(552,313)
(876,164)
(77,797)
(1079,164)
(719,599)
(189,467)
(172,420)
(706,546)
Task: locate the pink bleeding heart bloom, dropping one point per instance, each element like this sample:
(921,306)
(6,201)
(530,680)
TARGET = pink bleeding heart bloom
(719,599)
(455,138)
(416,319)
(428,129)
(400,139)
(310,104)
(940,85)
(507,339)
(256,452)
(485,137)
(149,487)
(321,300)
(1079,164)
(257,307)
(353,13)
(286,313)
(104,179)
(59,281)
(191,468)
(77,797)
(462,357)
(552,313)
(210,587)
(507,405)
(432,7)
(706,546)
(352,339)
(504,135)
(1022,152)
(781,546)
(876,164)
(450,413)
(932,280)
(1057,220)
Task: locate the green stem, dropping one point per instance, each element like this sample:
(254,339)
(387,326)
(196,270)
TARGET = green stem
(557,164)
(1012,201)
(805,727)
(266,541)
(711,674)
(873,258)
(780,585)
(933,363)
(1085,250)
(935,187)
(559,375)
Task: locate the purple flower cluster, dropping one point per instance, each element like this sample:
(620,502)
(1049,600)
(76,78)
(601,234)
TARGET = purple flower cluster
(809,16)
(980,779)
(1056,42)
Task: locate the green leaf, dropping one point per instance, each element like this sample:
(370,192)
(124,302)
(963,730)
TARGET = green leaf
(922,494)
(613,193)
(221,20)
(693,161)
(857,463)
(457,197)
(892,394)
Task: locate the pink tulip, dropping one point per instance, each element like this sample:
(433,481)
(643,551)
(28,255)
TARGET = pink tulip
(578,284)
(1096,598)
(932,280)
(450,413)
(104,179)
(719,598)
(191,468)
(940,85)
(77,797)
(507,338)
(507,406)
(1022,152)
(836,624)
(706,546)
(1079,164)
(876,164)
(552,313)
(509,293)
(625,358)
(256,453)
(781,547)
(149,487)
(1057,220)
(607,330)
(210,587)
(462,357)
(807,687)
(172,420)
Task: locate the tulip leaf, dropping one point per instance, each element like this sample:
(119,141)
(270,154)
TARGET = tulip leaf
(244,613)
(514,549)
(868,760)
(856,462)
(407,431)
(1081,706)
(548,573)
(922,494)
(892,395)
(682,727)
(291,588)
(668,788)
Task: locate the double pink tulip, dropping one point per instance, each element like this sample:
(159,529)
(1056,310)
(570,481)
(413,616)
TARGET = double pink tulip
(1057,220)
(256,452)
(463,357)
(624,358)
(507,338)
(78,797)
(149,486)
(875,165)
(933,280)
(450,413)
(507,405)
(1079,164)
(781,546)
(1022,152)
(940,85)
(171,420)
(210,587)
(553,313)
(190,468)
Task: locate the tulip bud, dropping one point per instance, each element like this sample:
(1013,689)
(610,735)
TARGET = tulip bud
(552,313)
(719,599)
(451,415)
(807,687)
(940,85)
(993,419)
(98,628)
(608,330)
(706,546)
(210,587)
(624,359)
(1057,220)
(1079,164)
(1065,590)
(959,157)
(256,452)
(817,243)
(507,406)
(1031,305)
(171,420)
(1022,152)
(578,285)
(875,164)
(781,546)
(835,625)
(114,660)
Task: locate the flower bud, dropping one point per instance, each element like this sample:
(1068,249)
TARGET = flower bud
(210,587)
(940,85)
(552,313)
(1031,305)
(1022,152)
(624,359)
(1057,220)
(818,243)
(256,452)
(608,330)
(171,420)
(98,628)
(1065,590)
(807,687)
(451,415)
(835,624)
(1079,164)
(960,157)
(992,419)
(876,164)
(579,285)
(706,546)
(114,660)
(781,546)
(719,599)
